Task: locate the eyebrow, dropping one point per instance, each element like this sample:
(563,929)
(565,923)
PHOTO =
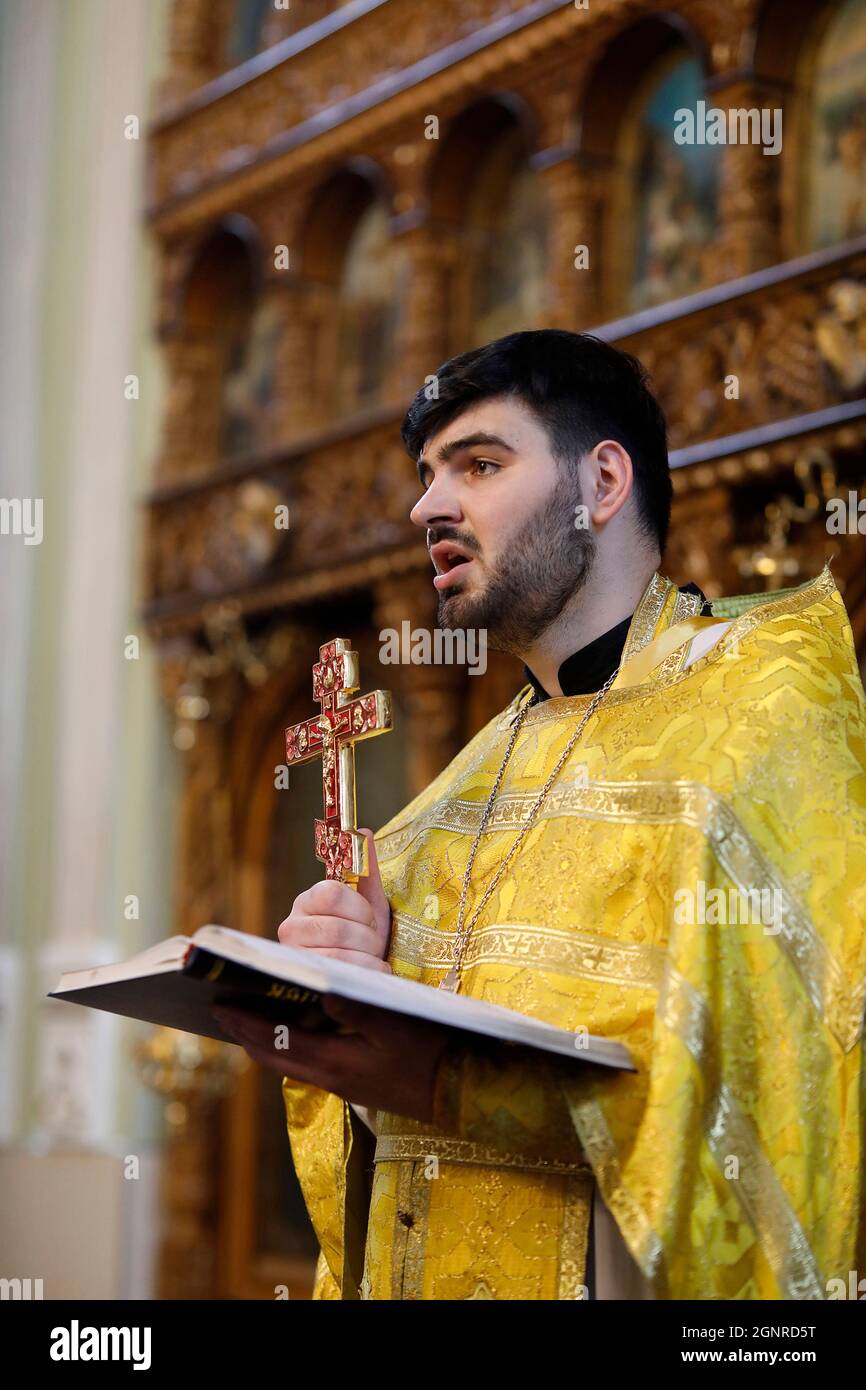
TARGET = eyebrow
(457,446)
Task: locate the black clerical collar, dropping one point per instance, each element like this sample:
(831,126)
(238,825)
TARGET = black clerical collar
(586,670)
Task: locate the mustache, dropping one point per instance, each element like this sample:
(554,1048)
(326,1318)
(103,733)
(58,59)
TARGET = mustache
(435,534)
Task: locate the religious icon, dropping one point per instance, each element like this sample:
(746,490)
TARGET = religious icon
(508,218)
(837,153)
(372,291)
(332,734)
(676,188)
(249,381)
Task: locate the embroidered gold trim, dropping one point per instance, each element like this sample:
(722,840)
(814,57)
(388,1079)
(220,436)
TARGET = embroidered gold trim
(566,952)
(729,1131)
(736,604)
(594,1134)
(407,1254)
(647,615)
(685,606)
(416,1242)
(402,1201)
(420,1148)
(574,1238)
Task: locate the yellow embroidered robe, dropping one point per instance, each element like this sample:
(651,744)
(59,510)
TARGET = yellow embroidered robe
(733,1159)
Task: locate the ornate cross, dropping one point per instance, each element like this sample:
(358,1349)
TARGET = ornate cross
(333,733)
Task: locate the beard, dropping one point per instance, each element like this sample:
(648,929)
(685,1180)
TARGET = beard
(544,564)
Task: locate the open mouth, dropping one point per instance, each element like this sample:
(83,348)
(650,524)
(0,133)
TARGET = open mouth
(444,581)
(451,561)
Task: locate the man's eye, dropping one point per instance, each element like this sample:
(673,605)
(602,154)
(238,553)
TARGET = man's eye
(484,463)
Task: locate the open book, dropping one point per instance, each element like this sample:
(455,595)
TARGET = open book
(177,982)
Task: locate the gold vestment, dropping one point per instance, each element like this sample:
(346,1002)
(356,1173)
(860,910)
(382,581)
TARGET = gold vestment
(733,1159)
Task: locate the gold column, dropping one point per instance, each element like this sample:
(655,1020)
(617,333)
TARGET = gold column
(191,421)
(296,407)
(750,188)
(189,50)
(422,344)
(575,220)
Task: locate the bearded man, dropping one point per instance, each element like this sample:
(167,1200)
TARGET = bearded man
(661,840)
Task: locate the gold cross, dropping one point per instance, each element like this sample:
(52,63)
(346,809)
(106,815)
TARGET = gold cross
(333,733)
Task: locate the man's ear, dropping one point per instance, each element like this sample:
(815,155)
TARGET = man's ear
(610,478)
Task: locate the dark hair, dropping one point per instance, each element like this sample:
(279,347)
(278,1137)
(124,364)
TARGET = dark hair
(582,390)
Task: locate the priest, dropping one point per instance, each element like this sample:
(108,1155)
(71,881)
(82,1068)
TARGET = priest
(661,840)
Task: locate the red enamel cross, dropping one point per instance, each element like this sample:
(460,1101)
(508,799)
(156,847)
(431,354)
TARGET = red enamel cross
(333,733)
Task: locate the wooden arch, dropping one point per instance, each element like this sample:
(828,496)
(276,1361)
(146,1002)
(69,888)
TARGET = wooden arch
(332,213)
(619,68)
(225,266)
(467,141)
(625,65)
(786,46)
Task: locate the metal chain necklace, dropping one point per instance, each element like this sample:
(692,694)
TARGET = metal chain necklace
(452,979)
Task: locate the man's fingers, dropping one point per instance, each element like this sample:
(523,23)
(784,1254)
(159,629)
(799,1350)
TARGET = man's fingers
(386,1061)
(330,898)
(348,1011)
(332,917)
(311,1057)
(328,932)
(371,891)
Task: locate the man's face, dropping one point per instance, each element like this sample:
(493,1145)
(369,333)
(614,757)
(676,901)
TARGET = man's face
(494,489)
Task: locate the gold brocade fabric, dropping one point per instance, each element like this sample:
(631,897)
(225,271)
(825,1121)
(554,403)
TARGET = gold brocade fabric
(733,1159)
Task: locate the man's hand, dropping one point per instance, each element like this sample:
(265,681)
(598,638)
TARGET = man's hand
(334,920)
(382,1060)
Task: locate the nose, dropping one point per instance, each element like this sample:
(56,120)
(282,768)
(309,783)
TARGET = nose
(440,502)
